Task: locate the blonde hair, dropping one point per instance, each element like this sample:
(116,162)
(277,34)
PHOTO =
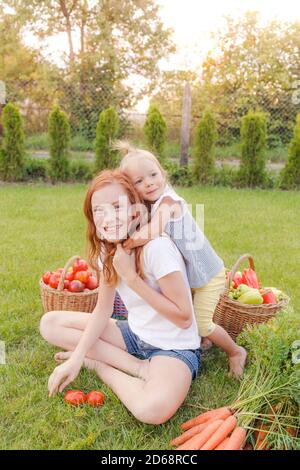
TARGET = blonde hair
(129,152)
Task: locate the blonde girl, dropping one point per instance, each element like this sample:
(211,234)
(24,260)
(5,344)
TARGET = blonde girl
(169,214)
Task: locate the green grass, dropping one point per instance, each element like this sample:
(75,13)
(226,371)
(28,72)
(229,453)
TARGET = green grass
(41,227)
(229,152)
(80,146)
(40,142)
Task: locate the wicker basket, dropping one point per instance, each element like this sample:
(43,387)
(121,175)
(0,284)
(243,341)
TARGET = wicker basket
(60,299)
(234,316)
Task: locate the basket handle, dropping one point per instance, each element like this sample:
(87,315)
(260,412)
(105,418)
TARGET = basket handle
(237,265)
(63,274)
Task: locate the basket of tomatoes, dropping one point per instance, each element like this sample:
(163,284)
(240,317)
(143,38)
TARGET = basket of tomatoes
(74,287)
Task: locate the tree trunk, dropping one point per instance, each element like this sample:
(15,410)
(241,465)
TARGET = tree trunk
(67,15)
(71,49)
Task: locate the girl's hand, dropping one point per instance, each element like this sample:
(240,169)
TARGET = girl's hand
(124,264)
(62,376)
(133,242)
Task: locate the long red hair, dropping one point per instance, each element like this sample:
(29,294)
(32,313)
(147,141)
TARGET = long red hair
(95,245)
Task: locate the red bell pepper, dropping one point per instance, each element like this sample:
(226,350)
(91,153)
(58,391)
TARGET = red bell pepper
(250,278)
(237,279)
(269,298)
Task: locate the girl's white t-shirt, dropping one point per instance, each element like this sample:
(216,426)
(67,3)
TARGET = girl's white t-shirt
(160,257)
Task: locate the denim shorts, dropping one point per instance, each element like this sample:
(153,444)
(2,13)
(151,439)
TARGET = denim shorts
(142,350)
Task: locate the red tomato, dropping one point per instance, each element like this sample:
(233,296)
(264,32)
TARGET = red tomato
(81,276)
(76,286)
(57,273)
(70,276)
(66,284)
(75,397)
(269,298)
(54,280)
(80,265)
(46,277)
(92,283)
(95,398)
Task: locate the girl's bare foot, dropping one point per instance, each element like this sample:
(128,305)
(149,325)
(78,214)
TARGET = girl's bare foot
(88,363)
(206,344)
(62,356)
(97,366)
(142,368)
(237,362)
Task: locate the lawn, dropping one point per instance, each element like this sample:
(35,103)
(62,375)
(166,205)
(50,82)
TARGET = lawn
(41,227)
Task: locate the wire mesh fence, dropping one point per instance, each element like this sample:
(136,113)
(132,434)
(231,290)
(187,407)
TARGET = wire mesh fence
(84,102)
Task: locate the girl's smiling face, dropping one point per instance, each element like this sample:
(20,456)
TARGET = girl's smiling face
(146,177)
(111,212)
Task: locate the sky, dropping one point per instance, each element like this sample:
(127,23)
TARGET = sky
(194,20)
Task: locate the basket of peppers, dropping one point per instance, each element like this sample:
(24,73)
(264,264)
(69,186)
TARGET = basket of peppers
(244,301)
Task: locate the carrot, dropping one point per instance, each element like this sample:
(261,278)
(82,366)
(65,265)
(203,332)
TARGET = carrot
(219,413)
(223,444)
(261,442)
(196,442)
(189,434)
(236,440)
(221,433)
(292,431)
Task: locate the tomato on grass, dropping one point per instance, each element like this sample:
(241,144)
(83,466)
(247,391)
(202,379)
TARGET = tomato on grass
(95,398)
(75,397)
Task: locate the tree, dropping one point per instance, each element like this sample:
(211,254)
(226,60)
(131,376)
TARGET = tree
(290,175)
(59,137)
(253,137)
(155,129)
(12,153)
(203,154)
(126,36)
(252,66)
(30,81)
(106,133)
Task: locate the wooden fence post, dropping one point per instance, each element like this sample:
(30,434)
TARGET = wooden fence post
(2,103)
(185,124)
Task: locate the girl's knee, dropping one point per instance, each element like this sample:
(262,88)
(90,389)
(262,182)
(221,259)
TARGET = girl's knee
(47,324)
(153,411)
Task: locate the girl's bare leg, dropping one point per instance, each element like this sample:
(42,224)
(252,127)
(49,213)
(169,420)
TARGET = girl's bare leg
(155,400)
(64,329)
(236,354)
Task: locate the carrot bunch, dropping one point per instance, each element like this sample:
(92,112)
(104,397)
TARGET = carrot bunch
(213,430)
(270,424)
